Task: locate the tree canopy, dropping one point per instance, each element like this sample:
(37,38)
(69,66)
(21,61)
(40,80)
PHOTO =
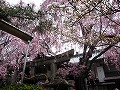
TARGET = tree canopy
(90,25)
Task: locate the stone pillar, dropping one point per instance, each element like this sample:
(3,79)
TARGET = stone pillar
(53,69)
(14,76)
(32,71)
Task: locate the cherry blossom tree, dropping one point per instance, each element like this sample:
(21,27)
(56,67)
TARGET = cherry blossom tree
(92,24)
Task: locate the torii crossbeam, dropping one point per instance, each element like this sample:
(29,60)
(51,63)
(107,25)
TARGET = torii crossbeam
(7,27)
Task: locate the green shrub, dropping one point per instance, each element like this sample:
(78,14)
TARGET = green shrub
(22,87)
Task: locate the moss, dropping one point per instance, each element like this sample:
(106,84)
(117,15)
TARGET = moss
(22,87)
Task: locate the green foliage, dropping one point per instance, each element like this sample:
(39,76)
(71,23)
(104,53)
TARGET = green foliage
(22,87)
(19,11)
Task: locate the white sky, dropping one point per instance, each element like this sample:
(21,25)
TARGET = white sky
(36,2)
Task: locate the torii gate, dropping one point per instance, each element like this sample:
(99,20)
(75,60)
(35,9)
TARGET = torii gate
(52,61)
(9,28)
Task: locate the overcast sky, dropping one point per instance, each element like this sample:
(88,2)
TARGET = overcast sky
(36,2)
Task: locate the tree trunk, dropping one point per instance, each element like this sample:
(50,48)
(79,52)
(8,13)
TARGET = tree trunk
(80,83)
